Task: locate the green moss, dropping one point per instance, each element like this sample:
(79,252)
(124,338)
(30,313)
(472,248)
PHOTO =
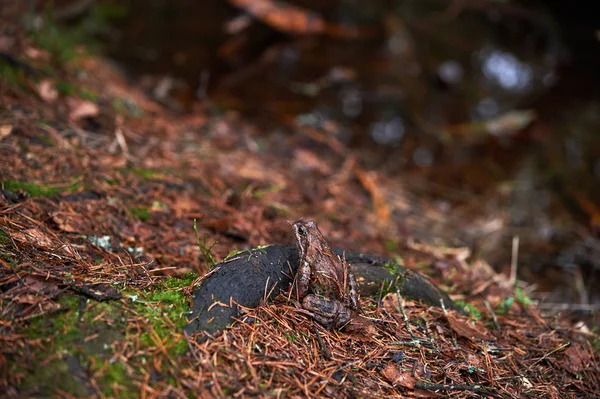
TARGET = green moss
(391,245)
(4,238)
(38,190)
(59,335)
(164,307)
(394,266)
(63,42)
(12,75)
(146,174)
(389,286)
(522,297)
(65,88)
(69,89)
(111,181)
(87,94)
(63,325)
(290,336)
(505,306)
(234,253)
(53,378)
(47,140)
(126,107)
(60,43)
(469,309)
(32,189)
(117,373)
(141,214)
(260,193)
(181,282)
(205,249)
(81,336)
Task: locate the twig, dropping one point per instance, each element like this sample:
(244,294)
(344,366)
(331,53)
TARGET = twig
(434,387)
(494,319)
(322,347)
(514,260)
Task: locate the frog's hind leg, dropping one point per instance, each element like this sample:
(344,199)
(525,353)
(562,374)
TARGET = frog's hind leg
(326,311)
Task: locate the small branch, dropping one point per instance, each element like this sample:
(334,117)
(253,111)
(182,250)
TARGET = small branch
(434,387)
(514,260)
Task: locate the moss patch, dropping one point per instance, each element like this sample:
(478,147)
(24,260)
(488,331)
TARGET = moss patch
(12,75)
(146,174)
(141,214)
(75,344)
(4,238)
(165,308)
(393,266)
(38,190)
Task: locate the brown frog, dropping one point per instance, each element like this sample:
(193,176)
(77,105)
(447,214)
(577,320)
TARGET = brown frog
(324,286)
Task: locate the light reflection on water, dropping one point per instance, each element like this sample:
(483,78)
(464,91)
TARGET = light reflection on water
(388,132)
(506,70)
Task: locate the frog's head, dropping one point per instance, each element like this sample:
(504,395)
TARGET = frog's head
(306,232)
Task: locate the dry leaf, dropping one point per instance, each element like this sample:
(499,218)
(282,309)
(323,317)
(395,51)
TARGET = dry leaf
(390,302)
(29,299)
(423,393)
(463,327)
(578,359)
(37,54)
(81,109)
(47,91)
(369,182)
(6,42)
(308,160)
(34,237)
(5,130)
(69,222)
(397,377)
(282,16)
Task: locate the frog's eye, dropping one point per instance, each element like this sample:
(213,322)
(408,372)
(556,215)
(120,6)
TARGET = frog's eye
(302,230)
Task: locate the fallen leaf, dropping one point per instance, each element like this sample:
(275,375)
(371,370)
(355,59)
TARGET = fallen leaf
(184,205)
(308,160)
(369,181)
(423,393)
(577,358)
(37,54)
(37,286)
(29,299)
(238,24)
(463,327)
(68,222)
(34,237)
(47,91)
(5,130)
(41,240)
(81,109)
(397,377)
(283,17)
(390,302)
(6,42)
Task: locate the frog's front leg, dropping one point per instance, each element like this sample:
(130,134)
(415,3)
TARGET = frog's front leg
(326,311)
(352,296)
(302,280)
